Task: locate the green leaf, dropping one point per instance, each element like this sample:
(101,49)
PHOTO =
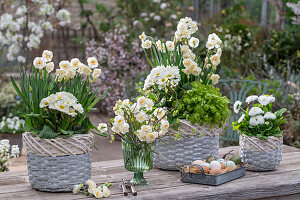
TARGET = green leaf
(47,132)
(280,112)
(70,133)
(65,123)
(28,124)
(100,8)
(187,86)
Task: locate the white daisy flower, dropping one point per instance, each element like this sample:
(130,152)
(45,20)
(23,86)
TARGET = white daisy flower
(255,111)
(241,118)
(251,99)
(237,106)
(256,120)
(269,115)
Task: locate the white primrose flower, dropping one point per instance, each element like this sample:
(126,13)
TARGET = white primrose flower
(76,189)
(265,99)
(92,62)
(237,106)
(47,55)
(143,36)
(251,99)
(214,78)
(78,107)
(256,120)
(269,115)
(241,118)
(170,45)
(39,63)
(194,42)
(255,111)
(49,67)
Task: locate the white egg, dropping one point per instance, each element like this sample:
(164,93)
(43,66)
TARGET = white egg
(221,161)
(215,164)
(206,164)
(230,164)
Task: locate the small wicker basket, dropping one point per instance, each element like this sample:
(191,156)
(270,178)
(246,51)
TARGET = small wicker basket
(173,154)
(261,155)
(56,165)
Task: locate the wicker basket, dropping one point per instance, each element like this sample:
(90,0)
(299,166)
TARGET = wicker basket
(261,155)
(172,155)
(56,165)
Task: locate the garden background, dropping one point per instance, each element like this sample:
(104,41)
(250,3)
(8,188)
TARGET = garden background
(261,42)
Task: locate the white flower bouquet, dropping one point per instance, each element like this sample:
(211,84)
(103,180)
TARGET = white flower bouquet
(58,105)
(259,120)
(7,153)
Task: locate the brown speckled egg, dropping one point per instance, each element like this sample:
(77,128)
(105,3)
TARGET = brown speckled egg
(223,166)
(215,171)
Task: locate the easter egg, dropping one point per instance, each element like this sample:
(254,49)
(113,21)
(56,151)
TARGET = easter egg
(236,159)
(206,164)
(215,171)
(222,166)
(230,164)
(215,164)
(199,162)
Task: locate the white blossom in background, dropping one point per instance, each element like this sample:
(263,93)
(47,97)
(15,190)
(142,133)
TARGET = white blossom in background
(296,9)
(7,152)
(13,24)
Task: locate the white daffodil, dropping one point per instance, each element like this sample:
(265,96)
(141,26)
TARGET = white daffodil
(76,189)
(39,63)
(102,127)
(47,55)
(210,44)
(194,42)
(215,78)
(49,67)
(75,63)
(215,60)
(170,45)
(92,62)
(196,71)
(142,102)
(143,36)
(237,106)
(65,65)
(106,192)
(146,44)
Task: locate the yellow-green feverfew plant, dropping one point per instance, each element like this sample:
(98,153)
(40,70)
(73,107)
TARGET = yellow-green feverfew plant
(57,104)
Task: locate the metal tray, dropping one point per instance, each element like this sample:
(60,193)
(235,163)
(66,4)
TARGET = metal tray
(207,179)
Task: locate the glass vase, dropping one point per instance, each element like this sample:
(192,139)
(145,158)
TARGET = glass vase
(138,158)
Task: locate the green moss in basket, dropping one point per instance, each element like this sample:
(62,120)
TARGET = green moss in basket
(204,104)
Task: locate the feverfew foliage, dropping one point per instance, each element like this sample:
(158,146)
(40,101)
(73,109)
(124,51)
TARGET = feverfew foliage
(259,120)
(204,104)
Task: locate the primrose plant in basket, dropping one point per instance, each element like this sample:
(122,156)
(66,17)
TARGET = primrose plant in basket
(183,83)
(59,132)
(261,137)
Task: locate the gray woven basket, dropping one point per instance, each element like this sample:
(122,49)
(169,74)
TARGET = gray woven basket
(58,174)
(261,155)
(56,165)
(172,155)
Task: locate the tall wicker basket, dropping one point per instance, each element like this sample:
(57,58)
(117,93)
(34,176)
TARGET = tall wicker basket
(56,165)
(173,154)
(261,155)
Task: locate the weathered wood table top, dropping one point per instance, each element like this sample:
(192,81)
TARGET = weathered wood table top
(283,183)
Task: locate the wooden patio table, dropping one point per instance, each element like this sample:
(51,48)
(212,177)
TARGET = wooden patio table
(283,183)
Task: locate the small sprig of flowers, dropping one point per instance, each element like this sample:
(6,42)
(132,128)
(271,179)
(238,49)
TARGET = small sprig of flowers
(7,153)
(90,188)
(68,69)
(259,120)
(12,125)
(64,102)
(138,120)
